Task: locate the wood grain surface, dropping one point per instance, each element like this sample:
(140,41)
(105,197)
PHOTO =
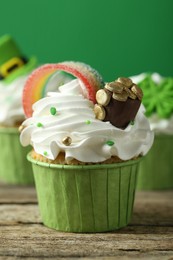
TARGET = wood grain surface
(23,236)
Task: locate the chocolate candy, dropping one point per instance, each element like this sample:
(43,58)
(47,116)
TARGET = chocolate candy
(118,102)
(120,114)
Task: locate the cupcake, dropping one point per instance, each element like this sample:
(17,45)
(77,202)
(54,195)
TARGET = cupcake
(84,159)
(156,169)
(14,69)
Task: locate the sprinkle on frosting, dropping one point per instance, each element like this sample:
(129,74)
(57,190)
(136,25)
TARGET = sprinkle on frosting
(45,153)
(88,122)
(39,124)
(110,142)
(53,111)
(132,122)
(67,140)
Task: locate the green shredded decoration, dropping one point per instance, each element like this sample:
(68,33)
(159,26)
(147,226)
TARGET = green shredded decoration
(158,98)
(88,122)
(53,111)
(45,153)
(39,124)
(132,122)
(110,142)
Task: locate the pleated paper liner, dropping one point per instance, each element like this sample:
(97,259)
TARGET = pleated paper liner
(14,167)
(156,170)
(89,198)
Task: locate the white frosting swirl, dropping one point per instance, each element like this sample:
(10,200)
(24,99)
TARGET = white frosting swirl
(75,118)
(158,125)
(11,102)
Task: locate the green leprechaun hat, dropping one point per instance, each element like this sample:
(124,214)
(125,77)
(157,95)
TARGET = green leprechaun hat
(12,61)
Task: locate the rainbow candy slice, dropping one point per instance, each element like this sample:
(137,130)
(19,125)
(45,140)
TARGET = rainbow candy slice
(35,87)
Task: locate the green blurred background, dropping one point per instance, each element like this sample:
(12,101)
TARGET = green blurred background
(117,37)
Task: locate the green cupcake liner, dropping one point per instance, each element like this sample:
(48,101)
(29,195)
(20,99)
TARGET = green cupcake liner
(156,170)
(14,167)
(89,198)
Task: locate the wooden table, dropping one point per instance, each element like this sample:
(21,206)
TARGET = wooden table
(22,235)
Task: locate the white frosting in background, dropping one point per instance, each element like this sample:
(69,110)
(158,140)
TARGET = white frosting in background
(157,78)
(161,126)
(158,125)
(11,102)
(75,118)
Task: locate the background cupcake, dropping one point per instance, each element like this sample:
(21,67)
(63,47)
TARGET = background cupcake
(84,168)
(14,70)
(156,168)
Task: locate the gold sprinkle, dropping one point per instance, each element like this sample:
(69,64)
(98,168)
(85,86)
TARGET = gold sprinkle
(67,140)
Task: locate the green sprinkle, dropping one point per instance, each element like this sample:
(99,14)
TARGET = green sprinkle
(39,124)
(132,122)
(110,143)
(53,111)
(88,122)
(45,153)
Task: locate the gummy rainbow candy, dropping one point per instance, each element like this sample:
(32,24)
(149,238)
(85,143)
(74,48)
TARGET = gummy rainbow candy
(35,87)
